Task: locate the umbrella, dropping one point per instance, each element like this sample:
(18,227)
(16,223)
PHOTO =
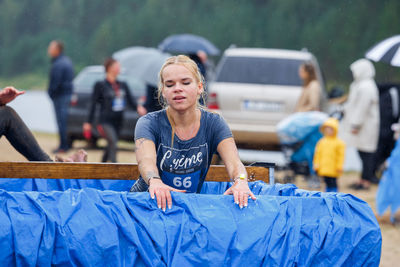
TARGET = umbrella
(142,62)
(188,44)
(386,51)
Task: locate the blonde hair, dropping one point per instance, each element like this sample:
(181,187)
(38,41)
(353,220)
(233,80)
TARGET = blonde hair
(194,69)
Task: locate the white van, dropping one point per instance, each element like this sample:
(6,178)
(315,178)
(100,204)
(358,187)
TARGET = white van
(255,88)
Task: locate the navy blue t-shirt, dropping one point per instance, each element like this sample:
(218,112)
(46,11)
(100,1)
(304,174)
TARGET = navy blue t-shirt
(185,165)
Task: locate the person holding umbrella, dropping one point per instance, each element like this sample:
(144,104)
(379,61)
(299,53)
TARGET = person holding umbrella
(151,103)
(196,47)
(111,95)
(201,59)
(174,146)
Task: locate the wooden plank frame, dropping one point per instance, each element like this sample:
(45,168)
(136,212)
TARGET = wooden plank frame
(111,171)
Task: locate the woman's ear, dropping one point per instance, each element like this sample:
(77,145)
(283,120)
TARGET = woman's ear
(201,88)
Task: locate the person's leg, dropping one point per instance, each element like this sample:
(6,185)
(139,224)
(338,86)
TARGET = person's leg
(61,104)
(110,134)
(370,167)
(56,104)
(367,160)
(104,158)
(331,184)
(20,137)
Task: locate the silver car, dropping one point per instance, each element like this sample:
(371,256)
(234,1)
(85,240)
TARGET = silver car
(255,88)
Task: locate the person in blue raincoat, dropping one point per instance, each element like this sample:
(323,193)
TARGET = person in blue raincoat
(174,146)
(389,186)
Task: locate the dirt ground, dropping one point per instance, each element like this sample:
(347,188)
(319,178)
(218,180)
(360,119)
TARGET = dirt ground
(390,234)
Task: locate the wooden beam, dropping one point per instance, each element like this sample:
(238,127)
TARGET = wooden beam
(107,171)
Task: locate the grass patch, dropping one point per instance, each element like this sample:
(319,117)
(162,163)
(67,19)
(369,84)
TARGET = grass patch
(30,81)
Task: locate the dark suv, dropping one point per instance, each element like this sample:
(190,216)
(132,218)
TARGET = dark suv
(80,101)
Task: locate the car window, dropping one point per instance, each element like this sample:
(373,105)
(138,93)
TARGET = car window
(274,71)
(136,86)
(85,81)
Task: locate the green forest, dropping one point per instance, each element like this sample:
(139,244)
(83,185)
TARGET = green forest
(337,32)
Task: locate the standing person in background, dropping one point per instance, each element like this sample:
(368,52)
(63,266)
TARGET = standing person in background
(152,104)
(60,89)
(201,59)
(329,155)
(310,98)
(361,118)
(111,95)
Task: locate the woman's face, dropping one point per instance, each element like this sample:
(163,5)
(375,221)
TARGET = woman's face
(180,87)
(302,73)
(114,69)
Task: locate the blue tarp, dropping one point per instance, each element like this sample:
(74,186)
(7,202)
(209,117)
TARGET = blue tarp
(285,226)
(389,186)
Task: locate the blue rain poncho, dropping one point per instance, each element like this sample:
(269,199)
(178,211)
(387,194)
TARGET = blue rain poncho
(388,191)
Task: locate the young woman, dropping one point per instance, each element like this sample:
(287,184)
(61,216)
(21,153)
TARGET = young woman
(310,97)
(111,95)
(174,146)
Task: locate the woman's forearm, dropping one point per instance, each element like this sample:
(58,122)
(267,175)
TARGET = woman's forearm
(146,158)
(235,170)
(229,154)
(148,170)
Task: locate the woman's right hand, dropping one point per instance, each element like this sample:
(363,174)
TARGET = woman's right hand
(141,110)
(87,127)
(162,192)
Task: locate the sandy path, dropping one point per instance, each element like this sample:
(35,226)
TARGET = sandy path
(390,234)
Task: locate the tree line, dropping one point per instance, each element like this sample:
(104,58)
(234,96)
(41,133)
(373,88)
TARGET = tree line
(337,32)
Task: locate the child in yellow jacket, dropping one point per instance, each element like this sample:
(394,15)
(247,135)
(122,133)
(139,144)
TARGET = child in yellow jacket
(329,155)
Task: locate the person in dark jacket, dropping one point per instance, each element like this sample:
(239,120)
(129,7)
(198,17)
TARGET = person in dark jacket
(60,89)
(151,103)
(111,96)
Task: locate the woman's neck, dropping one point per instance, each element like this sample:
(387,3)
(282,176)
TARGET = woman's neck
(111,77)
(186,118)
(307,83)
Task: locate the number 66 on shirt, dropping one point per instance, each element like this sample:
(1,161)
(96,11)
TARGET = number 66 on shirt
(185,182)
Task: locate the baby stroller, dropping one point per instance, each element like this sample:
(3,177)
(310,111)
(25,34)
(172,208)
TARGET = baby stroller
(299,134)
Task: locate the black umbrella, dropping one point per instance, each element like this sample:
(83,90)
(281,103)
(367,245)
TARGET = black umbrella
(188,44)
(386,51)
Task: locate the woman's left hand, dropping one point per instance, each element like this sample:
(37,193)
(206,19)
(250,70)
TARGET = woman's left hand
(241,192)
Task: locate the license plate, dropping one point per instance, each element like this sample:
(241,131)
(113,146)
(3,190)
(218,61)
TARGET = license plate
(265,106)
